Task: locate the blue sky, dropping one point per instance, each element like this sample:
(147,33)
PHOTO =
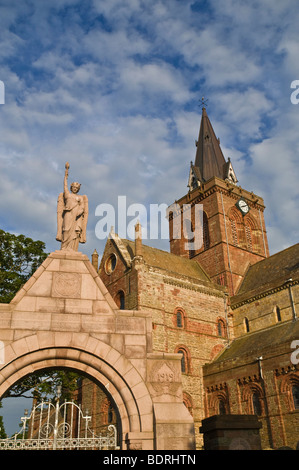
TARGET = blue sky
(113,87)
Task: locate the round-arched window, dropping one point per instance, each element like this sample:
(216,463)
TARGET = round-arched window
(256,403)
(295,394)
(179,319)
(183,360)
(221,330)
(120,300)
(185,363)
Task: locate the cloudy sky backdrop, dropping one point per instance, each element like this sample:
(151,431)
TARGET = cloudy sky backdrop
(114,87)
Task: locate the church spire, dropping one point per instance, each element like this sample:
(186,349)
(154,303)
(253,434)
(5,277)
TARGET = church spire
(209,159)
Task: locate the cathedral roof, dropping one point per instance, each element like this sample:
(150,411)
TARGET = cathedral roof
(257,342)
(168,261)
(269,273)
(209,159)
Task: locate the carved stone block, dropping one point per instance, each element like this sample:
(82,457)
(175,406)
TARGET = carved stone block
(164,378)
(66,285)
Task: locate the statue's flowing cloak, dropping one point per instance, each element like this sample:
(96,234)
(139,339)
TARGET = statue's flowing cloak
(72,215)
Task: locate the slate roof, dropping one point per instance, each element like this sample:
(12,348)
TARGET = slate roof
(261,341)
(168,261)
(269,273)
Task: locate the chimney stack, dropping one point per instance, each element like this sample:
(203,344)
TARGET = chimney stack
(138,240)
(95,260)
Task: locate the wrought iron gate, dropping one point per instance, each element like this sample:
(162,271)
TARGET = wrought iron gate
(57,427)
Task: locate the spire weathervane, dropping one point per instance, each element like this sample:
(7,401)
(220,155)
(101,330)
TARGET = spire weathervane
(203,103)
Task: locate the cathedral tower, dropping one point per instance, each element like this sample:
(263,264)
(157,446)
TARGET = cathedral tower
(232,233)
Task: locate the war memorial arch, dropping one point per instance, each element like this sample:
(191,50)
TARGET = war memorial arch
(64,317)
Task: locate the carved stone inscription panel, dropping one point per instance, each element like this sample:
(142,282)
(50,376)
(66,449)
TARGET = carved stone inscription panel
(164,378)
(66,285)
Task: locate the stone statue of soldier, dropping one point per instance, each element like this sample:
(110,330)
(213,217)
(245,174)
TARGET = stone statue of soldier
(72,215)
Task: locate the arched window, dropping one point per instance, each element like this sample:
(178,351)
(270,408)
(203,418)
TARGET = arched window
(256,404)
(290,390)
(120,300)
(234,230)
(248,237)
(222,407)
(184,360)
(188,232)
(278,314)
(253,399)
(179,319)
(295,395)
(192,235)
(205,232)
(221,330)
(246,323)
(250,233)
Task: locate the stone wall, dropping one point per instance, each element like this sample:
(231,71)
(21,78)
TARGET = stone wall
(261,310)
(234,381)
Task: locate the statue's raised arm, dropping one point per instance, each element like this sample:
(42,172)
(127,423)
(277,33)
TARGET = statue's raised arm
(72,215)
(66,175)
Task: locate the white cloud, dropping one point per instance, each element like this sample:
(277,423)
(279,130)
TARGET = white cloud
(156,80)
(274,175)
(244,111)
(113,87)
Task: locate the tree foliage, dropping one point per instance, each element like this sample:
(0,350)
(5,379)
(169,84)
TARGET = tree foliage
(20,256)
(43,385)
(3,434)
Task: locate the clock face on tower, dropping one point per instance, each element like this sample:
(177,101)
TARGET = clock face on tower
(242,206)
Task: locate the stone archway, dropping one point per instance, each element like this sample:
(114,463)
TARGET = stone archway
(65,317)
(94,358)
